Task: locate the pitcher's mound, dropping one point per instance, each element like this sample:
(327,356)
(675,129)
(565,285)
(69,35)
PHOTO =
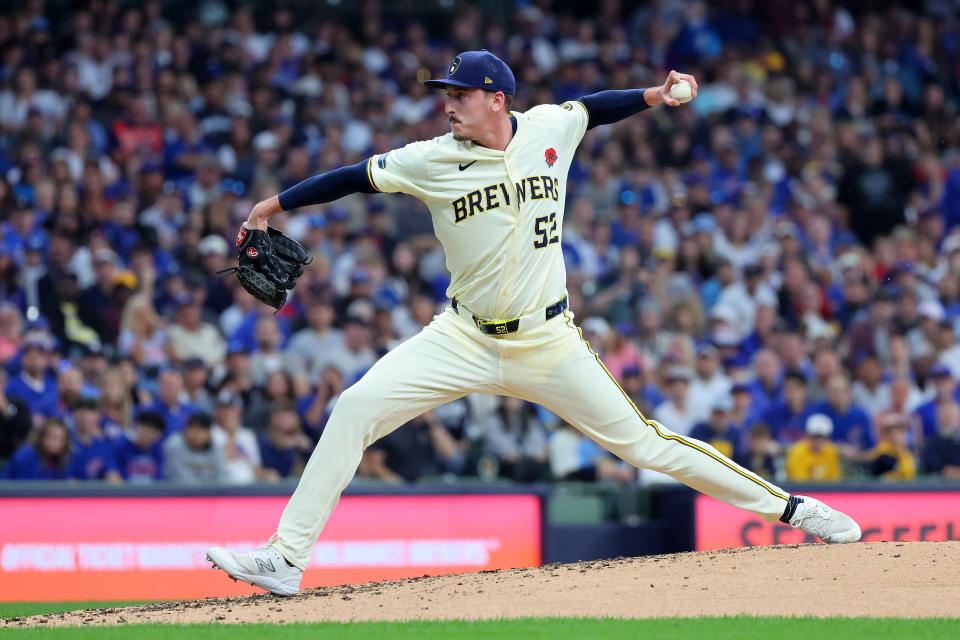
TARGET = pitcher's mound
(876,579)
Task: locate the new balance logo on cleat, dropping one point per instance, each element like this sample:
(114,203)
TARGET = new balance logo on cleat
(265,565)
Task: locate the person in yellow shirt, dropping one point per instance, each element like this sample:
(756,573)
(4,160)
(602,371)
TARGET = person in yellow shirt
(815,457)
(891,459)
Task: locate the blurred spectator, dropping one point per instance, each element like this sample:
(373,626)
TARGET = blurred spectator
(574,456)
(33,385)
(190,337)
(92,456)
(421,447)
(318,337)
(787,418)
(762,454)
(191,456)
(676,413)
(850,425)
(15,420)
(140,456)
(941,450)
(241,453)
(142,336)
(171,401)
(267,357)
(815,457)
(891,459)
(284,447)
(517,440)
(709,383)
(717,431)
(869,390)
(195,385)
(46,455)
(945,391)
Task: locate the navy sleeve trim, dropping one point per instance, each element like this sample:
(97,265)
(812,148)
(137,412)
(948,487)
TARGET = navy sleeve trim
(329,186)
(606,107)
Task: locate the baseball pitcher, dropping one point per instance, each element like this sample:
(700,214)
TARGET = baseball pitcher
(496,187)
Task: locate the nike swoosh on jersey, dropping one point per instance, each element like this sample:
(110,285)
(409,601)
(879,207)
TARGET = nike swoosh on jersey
(464,166)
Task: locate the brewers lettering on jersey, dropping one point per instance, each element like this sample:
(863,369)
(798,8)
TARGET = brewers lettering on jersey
(495,187)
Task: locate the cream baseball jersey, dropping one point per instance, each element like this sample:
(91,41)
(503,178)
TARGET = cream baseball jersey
(497,214)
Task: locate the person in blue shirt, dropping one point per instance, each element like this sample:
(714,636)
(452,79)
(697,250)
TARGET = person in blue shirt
(787,418)
(140,458)
(284,447)
(45,456)
(92,457)
(766,387)
(945,390)
(718,431)
(33,385)
(851,424)
(170,402)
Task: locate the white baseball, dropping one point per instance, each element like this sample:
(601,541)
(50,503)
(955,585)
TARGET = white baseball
(682,91)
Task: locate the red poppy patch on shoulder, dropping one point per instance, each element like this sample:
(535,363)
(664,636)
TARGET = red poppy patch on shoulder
(550,155)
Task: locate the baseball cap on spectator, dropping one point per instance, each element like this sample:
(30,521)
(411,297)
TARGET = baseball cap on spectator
(317,221)
(707,350)
(85,401)
(200,419)
(213,244)
(939,370)
(338,214)
(679,372)
(849,260)
(753,270)
(630,371)
(237,346)
(704,223)
(951,244)
(726,337)
(477,70)
(723,313)
(265,141)
(125,278)
(360,275)
(183,300)
(36,340)
(795,374)
(36,243)
(740,387)
(931,310)
(359,312)
(785,229)
(723,402)
(626,328)
(819,425)
(597,326)
(105,255)
(151,419)
(225,398)
(194,363)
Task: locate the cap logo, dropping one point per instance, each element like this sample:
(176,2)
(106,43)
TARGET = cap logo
(487,80)
(252,252)
(454,66)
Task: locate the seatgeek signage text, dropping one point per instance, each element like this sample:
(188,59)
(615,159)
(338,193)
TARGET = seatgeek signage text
(883,516)
(60,549)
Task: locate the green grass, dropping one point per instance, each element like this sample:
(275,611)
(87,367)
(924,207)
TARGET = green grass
(734,628)
(10,609)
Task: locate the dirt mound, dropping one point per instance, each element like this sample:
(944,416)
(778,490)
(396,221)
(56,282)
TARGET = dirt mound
(879,579)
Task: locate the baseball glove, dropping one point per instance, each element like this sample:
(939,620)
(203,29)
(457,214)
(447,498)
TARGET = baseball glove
(268,264)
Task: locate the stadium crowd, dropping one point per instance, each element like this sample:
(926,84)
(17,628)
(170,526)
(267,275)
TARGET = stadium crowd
(773,268)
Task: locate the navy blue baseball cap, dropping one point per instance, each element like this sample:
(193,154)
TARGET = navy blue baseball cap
(478,70)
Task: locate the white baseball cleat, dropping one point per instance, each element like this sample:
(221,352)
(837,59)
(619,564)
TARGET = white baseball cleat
(264,567)
(817,519)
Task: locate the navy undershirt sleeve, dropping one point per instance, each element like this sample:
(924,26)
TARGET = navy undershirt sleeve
(328,187)
(606,107)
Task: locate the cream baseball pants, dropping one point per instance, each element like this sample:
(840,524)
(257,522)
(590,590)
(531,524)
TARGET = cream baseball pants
(548,363)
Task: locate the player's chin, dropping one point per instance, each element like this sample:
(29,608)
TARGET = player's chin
(458,132)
